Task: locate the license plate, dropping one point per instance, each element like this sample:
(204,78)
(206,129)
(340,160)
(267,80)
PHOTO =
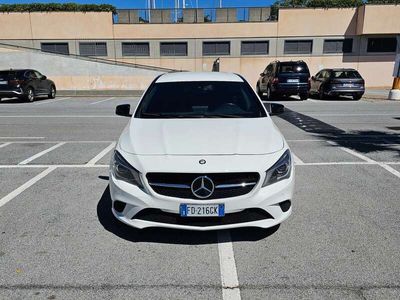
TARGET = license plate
(348,85)
(202,210)
(293,80)
(3,82)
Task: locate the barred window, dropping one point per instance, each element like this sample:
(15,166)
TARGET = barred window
(135,49)
(60,48)
(298,47)
(93,48)
(254,47)
(173,49)
(338,46)
(216,48)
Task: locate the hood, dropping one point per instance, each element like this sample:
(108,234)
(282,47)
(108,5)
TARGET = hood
(245,136)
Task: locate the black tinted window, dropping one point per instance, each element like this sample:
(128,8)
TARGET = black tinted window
(200,99)
(290,67)
(382,44)
(346,74)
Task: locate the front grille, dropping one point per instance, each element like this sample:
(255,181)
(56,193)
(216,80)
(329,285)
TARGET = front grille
(226,185)
(159,216)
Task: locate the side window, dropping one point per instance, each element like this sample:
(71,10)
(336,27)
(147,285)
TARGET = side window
(269,70)
(318,75)
(37,74)
(30,75)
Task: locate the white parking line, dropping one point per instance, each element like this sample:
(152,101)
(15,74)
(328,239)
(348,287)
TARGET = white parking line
(229,278)
(33,157)
(99,156)
(4,145)
(22,137)
(367,159)
(48,166)
(297,160)
(26,185)
(101,101)
(61,116)
(52,101)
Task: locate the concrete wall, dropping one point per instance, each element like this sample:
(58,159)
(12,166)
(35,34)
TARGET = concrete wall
(77,74)
(381,19)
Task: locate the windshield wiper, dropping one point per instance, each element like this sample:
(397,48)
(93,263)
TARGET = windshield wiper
(172,116)
(223,116)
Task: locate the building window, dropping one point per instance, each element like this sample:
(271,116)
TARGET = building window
(135,49)
(93,49)
(173,49)
(254,47)
(60,48)
(216,48)
(298,47)
(338,46)
(382,44)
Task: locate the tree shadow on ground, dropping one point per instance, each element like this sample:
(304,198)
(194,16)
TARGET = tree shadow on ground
(170,236)
(363,141)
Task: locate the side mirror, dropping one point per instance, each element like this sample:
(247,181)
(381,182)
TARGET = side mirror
(276,108)
(312,77)
(43,77)
(261,74)
(123,110)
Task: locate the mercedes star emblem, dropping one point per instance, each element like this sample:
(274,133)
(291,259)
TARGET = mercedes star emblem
(202,187)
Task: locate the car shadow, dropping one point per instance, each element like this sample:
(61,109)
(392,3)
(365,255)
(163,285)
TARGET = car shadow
(331,98)
(363,141)
(170,236)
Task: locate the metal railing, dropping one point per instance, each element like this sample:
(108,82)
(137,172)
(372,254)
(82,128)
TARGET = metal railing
(94,59)
(194,15)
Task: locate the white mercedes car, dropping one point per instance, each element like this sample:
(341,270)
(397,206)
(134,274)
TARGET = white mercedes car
(201,153)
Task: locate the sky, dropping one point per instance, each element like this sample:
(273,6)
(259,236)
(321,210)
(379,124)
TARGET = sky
(159,3)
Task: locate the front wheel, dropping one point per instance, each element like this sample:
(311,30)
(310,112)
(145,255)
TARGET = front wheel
(259,93)
(52,92)
(269,94)
(321,94)
(303,97)
(29,94)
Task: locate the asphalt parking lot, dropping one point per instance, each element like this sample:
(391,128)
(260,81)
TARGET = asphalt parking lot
(58,239)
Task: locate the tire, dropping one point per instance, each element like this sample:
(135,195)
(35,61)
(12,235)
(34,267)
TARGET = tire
(52,92)
(357,97)
(303,97)
(259,93)
(321,94)
(270,96)
(29,95)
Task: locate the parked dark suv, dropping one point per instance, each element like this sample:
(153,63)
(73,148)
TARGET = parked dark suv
(284,78)
(338,82)
(25,84)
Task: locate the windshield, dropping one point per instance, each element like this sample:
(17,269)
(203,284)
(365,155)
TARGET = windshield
(346,74)
(293,68)
(200,99)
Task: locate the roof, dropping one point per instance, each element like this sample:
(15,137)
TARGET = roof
(341,69)
(199,76)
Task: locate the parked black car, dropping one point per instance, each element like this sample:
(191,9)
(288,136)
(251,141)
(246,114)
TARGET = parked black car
(284,78)
(25,84)
(338,82)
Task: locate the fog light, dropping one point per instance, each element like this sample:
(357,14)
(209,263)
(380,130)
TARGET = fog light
(119,206)
(285,205)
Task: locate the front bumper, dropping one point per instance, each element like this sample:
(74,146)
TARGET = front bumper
(11,93)
(267,199)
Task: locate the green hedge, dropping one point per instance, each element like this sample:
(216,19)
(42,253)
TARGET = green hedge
(47,7)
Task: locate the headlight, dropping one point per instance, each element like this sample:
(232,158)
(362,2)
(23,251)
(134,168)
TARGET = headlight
(280,170)
(122,170)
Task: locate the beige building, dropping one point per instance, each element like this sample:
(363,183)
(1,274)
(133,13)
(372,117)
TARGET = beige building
(245,40)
